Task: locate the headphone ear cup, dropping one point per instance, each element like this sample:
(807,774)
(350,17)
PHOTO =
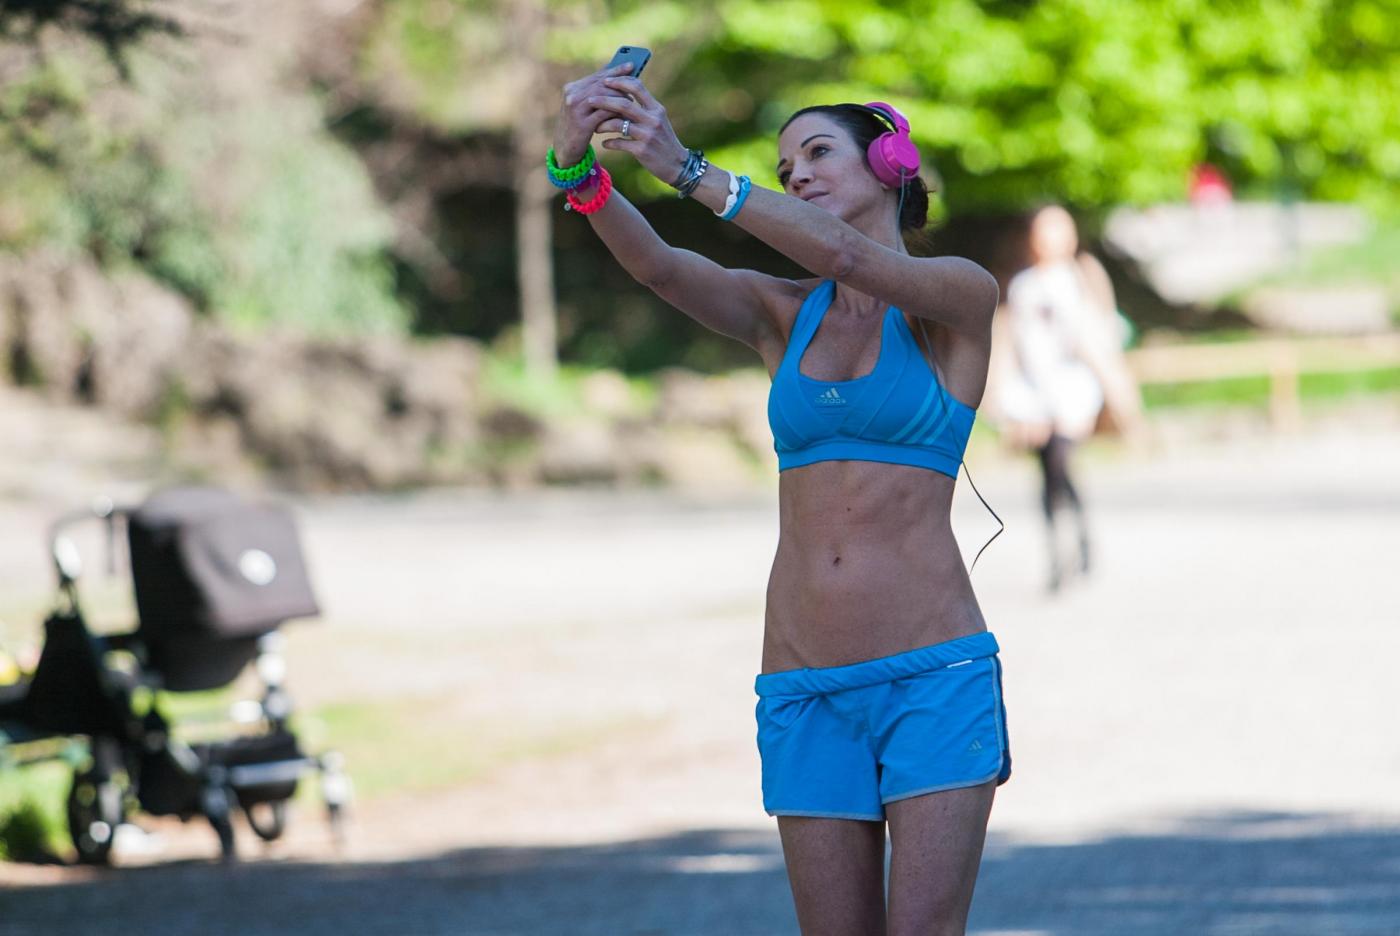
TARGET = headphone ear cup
(891,154)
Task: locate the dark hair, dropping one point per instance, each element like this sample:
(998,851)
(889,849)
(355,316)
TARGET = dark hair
(863,127)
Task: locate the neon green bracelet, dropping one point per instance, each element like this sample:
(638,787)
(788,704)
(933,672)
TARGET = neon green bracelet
(572,173)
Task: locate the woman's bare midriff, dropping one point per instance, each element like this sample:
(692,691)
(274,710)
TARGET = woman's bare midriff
(866,566)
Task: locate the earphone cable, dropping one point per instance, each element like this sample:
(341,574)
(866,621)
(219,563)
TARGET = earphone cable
(1000,528)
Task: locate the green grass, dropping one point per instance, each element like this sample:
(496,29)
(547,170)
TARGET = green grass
(1255,390)
(505,380)
(1233,390)
(393,745)
(1372,260)
(1219,336)
(423,744)
(32,807)
(1325,386)
(33,797)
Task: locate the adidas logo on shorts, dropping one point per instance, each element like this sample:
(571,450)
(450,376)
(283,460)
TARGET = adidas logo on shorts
(974,747)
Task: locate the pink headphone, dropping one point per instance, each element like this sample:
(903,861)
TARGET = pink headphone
(892,154)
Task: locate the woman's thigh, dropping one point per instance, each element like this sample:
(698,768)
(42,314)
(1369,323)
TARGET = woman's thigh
(837,871)
(935,851)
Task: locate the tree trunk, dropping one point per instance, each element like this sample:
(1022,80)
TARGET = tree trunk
(534,194)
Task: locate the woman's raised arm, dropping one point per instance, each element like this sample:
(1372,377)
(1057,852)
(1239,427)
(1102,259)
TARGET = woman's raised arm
(637,247)
(951,290)
(731,302)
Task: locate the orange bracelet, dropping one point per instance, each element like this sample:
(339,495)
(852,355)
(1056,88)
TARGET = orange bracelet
(597,201)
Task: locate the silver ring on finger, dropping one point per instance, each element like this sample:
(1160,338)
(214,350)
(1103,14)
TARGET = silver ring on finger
(626,125)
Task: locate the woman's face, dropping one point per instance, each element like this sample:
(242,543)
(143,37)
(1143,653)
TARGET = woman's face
(819,162)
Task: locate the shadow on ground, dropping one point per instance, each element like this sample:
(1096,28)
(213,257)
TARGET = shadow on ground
(1216,875)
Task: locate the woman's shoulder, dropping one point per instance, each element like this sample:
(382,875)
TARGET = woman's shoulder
(786,297)
(797,289)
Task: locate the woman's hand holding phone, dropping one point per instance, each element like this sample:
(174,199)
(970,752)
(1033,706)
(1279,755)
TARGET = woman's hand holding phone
(578,118)
(650,137)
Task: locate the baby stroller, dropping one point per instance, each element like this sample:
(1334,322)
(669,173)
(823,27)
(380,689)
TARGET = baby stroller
(215,577)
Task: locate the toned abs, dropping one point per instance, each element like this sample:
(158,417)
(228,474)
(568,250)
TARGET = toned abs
(866,566)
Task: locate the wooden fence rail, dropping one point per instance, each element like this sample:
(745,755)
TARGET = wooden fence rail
(1282,360)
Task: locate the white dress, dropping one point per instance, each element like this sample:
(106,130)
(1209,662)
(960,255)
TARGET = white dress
(1051,319)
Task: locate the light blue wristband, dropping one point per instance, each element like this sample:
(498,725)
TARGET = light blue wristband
(744,186)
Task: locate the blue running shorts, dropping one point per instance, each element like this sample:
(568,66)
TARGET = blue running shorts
(841,741)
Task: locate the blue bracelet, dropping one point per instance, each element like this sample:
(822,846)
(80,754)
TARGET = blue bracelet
(744,186)
(580,182)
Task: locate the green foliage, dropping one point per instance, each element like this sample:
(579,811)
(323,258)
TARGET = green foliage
(33,826)
(306,246)
(73,180)
(247,206)
(505,380)
(237,195)
(24,834)
(1093,102)
(447,58)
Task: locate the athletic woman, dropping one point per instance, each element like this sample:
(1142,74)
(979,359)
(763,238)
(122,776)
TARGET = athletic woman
(879,697)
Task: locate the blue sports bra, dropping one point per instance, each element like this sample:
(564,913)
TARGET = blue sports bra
(899,413)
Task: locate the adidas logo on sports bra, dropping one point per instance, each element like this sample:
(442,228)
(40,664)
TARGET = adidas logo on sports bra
(831,398)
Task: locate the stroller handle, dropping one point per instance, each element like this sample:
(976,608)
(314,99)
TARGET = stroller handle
(66,557)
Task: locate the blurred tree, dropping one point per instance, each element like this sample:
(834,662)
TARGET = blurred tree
(438,103)
(208,165)
(534,193)
(1090,102)
(116,25)
(221,175)
(493,68)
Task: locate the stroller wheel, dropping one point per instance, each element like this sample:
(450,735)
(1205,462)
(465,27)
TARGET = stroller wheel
(269,820)
(96,806)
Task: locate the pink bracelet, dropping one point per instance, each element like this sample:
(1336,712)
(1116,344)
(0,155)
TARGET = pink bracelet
(597,201)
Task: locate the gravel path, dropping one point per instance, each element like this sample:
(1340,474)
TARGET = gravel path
(1198,731)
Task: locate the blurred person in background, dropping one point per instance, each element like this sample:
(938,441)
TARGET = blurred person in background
(1208,186)
(1058,375)
(880,688)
